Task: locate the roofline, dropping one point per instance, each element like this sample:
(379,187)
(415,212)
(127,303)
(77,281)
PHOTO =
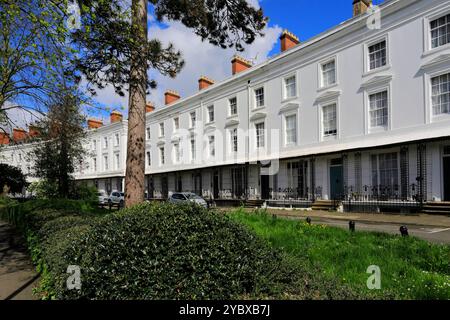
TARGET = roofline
(279,56)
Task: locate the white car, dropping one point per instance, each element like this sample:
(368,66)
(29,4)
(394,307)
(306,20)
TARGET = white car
(116,197)
(102,197)
(183,197)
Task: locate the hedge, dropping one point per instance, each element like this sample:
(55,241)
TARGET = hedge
(164,251)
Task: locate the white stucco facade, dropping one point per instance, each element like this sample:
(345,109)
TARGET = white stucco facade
(349,111)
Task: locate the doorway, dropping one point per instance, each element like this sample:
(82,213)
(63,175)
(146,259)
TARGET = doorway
(216,184)
(164,187)
(265,187)
(336,179)
(446,177)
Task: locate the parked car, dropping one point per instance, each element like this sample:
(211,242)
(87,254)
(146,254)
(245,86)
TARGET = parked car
(102,197)
(183,197)
(116,198)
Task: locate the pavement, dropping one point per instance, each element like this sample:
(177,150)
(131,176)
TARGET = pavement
(433,228)
(17,273)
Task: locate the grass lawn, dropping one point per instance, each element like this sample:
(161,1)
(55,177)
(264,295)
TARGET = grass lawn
(410,268)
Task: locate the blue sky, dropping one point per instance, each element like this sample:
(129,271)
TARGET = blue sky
(307,18)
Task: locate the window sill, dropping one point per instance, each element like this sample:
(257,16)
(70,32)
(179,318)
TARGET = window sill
(286,100)
(430,52)
(377,129)
(322,89)
(440,117)
(329,138)
(377,70)
(258,109)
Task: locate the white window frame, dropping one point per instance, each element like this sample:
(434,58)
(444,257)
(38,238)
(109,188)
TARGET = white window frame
(321,84)
(370,92)
(105,142)
(429,117)
(231,114)
(233,141)
(284,86)
(285,116)
(161,129)
(94,145)
(255,103)
(94,164)
(208,117)
(264,136)
(117,161)
(176,124)
(148,161)
(367,70)
(192,120)
(427,49)
(116,139)
(193,148)
(162,155)
(105,163)
(148,134)
(321,106)
(211,151)
(176,156)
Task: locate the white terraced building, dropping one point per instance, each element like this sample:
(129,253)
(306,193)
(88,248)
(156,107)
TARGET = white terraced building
(359,114)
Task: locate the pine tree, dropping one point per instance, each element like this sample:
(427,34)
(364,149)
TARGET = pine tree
(113,40)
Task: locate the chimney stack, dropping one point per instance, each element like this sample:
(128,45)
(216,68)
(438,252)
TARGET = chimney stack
(361,6)
(288,40)
(94,123)
(19,135)
(33,131)
(4,138)
(116,116)
(149,107)
(239,64)
(204,82)
(171,96)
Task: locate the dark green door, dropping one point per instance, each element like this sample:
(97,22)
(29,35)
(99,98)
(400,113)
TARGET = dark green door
(447,179)
(336,182)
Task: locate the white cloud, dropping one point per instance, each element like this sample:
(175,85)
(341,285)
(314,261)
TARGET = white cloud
(19,117)
(201,58)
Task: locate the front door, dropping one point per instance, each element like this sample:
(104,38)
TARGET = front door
(216,185)
(265,192)
(447,178)
(336,182)
(164,187)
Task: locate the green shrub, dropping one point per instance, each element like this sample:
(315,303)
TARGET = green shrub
(179,252)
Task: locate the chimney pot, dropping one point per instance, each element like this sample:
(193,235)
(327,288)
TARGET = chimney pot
(4,138)
(361,6)
(33,131)
(19,135)
(116,116)
(288,40)
(149,107)
(204,82)
(171,96)
(94,123)
(239,64)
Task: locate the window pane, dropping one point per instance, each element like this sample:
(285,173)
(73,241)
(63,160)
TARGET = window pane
(377,55)
(440,31)
(440,94)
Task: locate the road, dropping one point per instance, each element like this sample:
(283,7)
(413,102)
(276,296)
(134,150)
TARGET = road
(440,235)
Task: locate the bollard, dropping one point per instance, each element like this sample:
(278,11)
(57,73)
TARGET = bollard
(404,231)
(351,226)
(308,220)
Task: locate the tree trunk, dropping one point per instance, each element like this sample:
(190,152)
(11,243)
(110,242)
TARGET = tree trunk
(135,170)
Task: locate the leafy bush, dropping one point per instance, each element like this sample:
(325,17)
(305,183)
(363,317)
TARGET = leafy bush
(180,252)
